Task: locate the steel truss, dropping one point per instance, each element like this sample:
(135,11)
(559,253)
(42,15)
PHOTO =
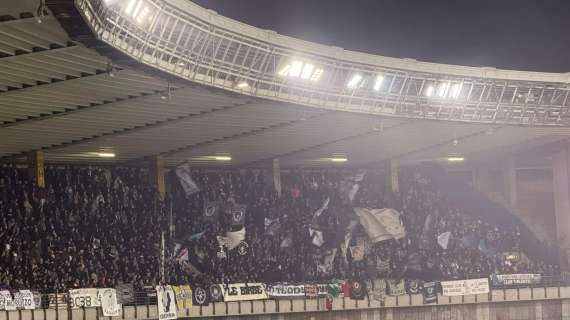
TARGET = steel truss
(199,45)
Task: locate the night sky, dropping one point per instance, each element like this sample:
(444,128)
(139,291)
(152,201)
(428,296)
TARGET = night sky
(510,34)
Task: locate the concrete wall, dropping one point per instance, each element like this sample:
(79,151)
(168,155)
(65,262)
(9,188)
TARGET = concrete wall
(527,303)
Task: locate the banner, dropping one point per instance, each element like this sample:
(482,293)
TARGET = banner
(244,291)
(55,301)
(358,290)
(357,252)
(465,287)
(414,286)
(515,279)
(184,175)
(125,293)
(377,290)
(183,296)
(396,288)
(83,298)
(286,291)
(24,299)
(200,297)
(430,292)
(311,291)
(166,303)
(216,293)
(6,301)
(381,224)
(109,303)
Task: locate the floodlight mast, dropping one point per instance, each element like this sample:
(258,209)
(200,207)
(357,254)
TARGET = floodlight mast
(224,53)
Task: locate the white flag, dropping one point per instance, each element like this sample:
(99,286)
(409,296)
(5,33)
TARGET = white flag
(317,237)
(184,174)
(443,240)
(109,304)
(166,303)
(381,224)
(232,239)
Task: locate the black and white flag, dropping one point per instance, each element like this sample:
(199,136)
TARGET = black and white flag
(200,296)
(430,292)
(235,214)
(211,210)
(166,303)
(184,175)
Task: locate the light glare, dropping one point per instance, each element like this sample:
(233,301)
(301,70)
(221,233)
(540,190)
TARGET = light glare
(339,159)
(243,85)
(354,81)
(378,82)
(307,71)
(106,154)
(223,158)
(455,159)
(130,7)
(296,68)
(429,91)
(317,75)
(455,90)
(442,89)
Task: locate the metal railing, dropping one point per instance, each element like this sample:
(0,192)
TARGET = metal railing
(191,42)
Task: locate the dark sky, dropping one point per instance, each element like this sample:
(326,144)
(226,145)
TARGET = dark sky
(512,34)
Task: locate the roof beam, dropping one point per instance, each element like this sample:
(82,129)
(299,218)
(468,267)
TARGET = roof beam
(124,131)
(228,138)
(320,145)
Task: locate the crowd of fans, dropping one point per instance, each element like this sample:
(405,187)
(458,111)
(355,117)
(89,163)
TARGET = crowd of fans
(99,227)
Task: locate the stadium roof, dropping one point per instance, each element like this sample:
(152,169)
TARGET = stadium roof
(77,99)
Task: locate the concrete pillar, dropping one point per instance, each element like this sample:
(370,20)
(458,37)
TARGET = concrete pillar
(394,175)
(277,176)
(157,175)
(561,180)
(510,176)
(36,168)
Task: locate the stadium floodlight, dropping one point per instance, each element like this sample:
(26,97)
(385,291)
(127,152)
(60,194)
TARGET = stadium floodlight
(243,85)
(223,158)
(355,81)
(130,7)
(339,159)
(442,89)
(317,75)
(429,91)
(307,71)
(302,70)
(455,159)
(296,69)
(378,82)
(105,154)
(455,90)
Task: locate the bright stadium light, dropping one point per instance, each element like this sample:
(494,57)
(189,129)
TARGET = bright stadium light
(130,7)
(354,81)
(339,159)
(307,71)
(296,69)
(429,91)
(442,89)
(317,75)
(243,85)
(223,158)
(105,154)
(301,70)
(455,90)
(455,159)
(378,82)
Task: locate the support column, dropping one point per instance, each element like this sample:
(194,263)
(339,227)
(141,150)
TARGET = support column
(510,175)
(157,175)
(394,175)
(36,168)
(277,176)
(561,180)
